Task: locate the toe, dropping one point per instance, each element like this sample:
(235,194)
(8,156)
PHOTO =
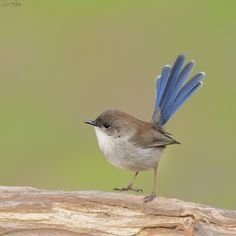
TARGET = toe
(120,189)
(149,198)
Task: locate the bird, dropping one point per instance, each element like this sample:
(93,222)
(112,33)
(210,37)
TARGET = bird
(135,145)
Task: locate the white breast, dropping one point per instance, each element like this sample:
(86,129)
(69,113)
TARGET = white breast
(123,154)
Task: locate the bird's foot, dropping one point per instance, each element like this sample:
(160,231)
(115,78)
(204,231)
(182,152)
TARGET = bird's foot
(150,197)
(129,187)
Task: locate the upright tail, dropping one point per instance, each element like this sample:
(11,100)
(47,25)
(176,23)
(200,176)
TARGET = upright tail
(172,91)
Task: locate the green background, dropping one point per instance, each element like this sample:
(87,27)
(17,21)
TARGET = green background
(62,62)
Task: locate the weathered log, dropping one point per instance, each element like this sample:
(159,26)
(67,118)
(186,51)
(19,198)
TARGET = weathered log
(28,211)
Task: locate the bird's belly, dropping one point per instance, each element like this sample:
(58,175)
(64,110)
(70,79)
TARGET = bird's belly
(123,154)
(134,159)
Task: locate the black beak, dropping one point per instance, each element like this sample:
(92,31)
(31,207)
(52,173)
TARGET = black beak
(91,122)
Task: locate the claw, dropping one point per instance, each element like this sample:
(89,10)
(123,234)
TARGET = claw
(137,190)
(150,197)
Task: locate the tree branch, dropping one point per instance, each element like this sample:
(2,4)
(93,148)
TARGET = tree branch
(28,211)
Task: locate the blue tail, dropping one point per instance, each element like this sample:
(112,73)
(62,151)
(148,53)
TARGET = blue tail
(171,92)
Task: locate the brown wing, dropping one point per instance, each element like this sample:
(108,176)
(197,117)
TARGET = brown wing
(147,136)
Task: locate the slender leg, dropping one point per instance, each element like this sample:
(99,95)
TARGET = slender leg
(129,187)
(153,194)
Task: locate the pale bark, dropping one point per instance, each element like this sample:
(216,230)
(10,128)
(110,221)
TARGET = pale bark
(28,211)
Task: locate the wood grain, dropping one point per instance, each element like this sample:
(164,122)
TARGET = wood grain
(28,211)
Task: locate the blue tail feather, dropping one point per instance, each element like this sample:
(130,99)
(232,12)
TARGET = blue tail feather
(170,87)
(182,77)
(161,84)
(171,96)
(180,102)
(170,91)
(184,94)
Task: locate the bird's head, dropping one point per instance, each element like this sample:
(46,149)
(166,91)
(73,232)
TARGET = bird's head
(114,123)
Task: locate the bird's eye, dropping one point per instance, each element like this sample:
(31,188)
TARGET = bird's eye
(106,125)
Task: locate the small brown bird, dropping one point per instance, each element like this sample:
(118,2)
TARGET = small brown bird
(136,145)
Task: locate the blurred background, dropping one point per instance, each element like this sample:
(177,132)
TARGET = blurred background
(63,62)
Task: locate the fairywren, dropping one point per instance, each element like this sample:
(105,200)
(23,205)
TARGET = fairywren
(136,145)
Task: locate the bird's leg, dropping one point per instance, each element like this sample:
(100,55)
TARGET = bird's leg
(153,194)
(129,187)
